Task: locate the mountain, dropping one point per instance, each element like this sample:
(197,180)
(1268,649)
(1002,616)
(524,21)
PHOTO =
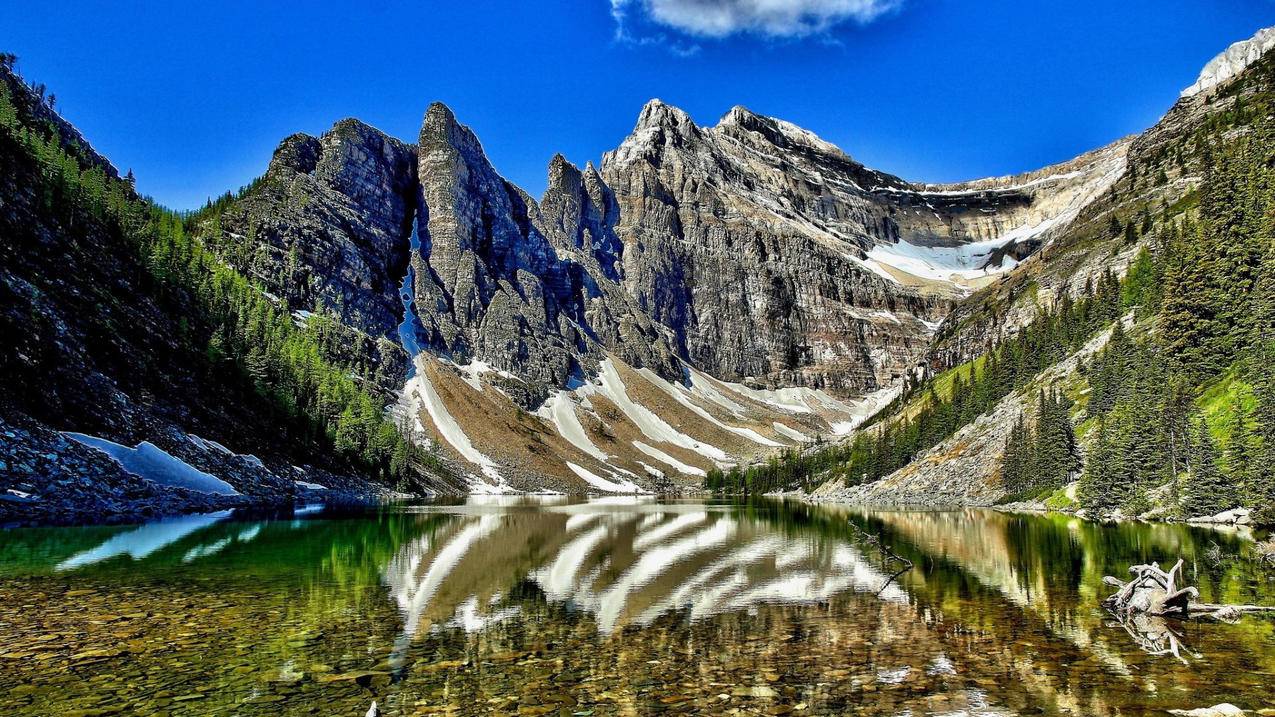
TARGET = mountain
(702,298)
(705,295)
(144,377)
(1172,265)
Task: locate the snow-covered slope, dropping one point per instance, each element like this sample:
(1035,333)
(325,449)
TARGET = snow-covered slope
(623,431)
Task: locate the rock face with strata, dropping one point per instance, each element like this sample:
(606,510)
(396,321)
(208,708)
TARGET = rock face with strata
(497,282)
(751,251)
(772,254)
(327,224)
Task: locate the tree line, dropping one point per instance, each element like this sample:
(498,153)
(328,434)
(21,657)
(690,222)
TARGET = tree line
(893,438)
(226,321)
(1214,326)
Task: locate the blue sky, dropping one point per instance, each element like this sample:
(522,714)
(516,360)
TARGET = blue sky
(194,99)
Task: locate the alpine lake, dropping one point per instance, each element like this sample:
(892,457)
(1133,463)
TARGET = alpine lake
(619,606)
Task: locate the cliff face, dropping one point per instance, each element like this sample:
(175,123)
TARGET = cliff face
(327,224)
(495,280)
(751,253)
(771,253)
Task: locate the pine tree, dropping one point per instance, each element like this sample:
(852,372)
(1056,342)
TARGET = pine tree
(1096,492)
(1013,465)
(1261,487)
(1207,491)
(1185,319)
(1239,451)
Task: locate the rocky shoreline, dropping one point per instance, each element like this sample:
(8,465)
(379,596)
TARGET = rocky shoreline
(48,478)
(1238,518)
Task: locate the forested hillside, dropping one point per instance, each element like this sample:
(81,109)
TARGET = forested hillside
(116,323)
(1176,414)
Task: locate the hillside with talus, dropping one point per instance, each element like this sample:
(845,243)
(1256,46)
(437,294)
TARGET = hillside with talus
(705,296)
(142,375)
(1122,370)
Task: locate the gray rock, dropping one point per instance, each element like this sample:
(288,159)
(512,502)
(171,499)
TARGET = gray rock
(742,249)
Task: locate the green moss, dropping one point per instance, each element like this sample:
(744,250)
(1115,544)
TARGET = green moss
(1218,401)
(1059,500)
(943,382)
(1086,426)
(1036,495)
(1189,201)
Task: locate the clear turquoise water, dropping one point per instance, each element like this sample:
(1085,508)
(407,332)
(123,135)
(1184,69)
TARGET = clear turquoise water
(616,606)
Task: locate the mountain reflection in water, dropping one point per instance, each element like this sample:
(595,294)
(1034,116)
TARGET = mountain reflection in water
(624,605)
(622,566)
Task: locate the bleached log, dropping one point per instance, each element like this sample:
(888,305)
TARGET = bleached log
(1152,591)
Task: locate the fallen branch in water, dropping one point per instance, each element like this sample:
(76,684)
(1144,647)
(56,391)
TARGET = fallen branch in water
(888,553)
(1152,591)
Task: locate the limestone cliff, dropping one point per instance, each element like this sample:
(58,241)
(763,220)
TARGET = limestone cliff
(696,264)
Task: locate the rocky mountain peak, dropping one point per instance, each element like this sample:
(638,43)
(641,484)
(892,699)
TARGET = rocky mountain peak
(659,125)
(563,176)
(298,152)
(657,113)
(713,248)
(784,135)
(1232,61)
(440,128)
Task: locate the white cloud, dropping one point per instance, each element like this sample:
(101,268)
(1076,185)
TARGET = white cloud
(721,18)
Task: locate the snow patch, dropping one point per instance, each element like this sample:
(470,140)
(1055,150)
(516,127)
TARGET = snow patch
(950,263)
(157,465)
(679,393)
(668,460)
(790,432)
(601,483)
(652,426)
(702,386)
(419,387)
(655,472)
(209,446)
(473,371)
(925,191)
(560,411)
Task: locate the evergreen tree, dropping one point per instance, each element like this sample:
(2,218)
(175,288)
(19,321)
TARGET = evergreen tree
(1261,477)
(1208,492)
(1097,490)
(1239,450)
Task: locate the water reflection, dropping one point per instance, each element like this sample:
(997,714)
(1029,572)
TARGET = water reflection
(628,605)
(145,540)
(622,567)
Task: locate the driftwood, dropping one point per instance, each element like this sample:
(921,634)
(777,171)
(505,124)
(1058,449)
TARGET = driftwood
(1145,605)
(1159,594)
(889,555)
(1155,636)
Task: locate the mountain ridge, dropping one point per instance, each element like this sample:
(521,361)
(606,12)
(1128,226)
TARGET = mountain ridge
(700,298)
(743,250)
